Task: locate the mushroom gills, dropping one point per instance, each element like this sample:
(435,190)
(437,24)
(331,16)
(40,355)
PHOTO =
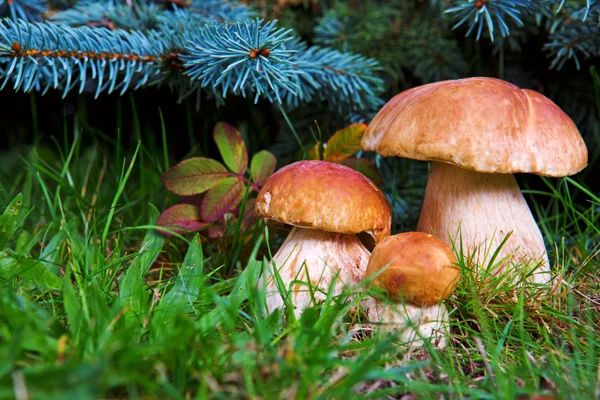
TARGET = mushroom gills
(315,256)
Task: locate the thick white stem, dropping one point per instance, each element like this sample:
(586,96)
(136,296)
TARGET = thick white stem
(486,207)
(318,257)
(413,325)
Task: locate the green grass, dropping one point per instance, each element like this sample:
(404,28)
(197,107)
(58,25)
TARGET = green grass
(95,304)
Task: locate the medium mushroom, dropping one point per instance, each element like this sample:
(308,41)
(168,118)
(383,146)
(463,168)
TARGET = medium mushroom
(330,207)
(419,271)
(478,132)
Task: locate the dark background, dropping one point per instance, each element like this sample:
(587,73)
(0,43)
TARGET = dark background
(189,129)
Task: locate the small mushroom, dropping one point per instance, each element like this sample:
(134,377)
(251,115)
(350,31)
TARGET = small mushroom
(419,271)
(420,268)
(331,208)
(478,132)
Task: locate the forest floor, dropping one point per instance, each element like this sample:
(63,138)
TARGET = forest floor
(94,303)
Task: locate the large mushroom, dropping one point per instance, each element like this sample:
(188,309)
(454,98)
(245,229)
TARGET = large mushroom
(330,208)
(478,132)
(417,271)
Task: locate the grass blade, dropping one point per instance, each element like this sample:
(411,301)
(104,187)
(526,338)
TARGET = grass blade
(186,289)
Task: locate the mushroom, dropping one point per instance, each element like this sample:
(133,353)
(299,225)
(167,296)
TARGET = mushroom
(330,207)
(478,132)
(419,271)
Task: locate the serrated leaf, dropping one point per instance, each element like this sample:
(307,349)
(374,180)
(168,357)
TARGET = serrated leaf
(344,142)
(9,220)
(364,166)
(186,289)
(193,176)
(217,229)
(314,153)
(262,166)
(222,198)
(186,216)
(232,147)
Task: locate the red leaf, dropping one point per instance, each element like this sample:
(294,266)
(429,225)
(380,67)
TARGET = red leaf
(217,229)
(181,218)
(222,198)
(262,166)
(232,147)
(344,143)
(194,176)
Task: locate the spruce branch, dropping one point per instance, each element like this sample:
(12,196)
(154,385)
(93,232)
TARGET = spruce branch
(142,15)
(218,10)
(43,56)
(249,57)
(574,28)
(344,80)
(582,10)
(573,25)
(336,31)
(180,20)
(398,38)
(30,10)
(488,13)
(576,42)
(432,56)
(253,58)
(112,16)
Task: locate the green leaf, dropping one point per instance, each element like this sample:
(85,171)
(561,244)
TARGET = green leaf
(232,147)
(228,307)
(344,142)
(30,270)
(9,220)
(364,166)
(222,198)
(151,246)
(99,309)
(50,256)
(33,271)
(132,287)
(186,216)
(193,176)
(186,289)
(72,306)
(262,166)
(132,294)
(23,244)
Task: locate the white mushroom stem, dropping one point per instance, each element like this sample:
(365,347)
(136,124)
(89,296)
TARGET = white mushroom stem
(486,207)
(413,325)
(318,257)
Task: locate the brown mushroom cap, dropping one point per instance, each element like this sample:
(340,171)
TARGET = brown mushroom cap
(479,124)
(326,196)
(420,271)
